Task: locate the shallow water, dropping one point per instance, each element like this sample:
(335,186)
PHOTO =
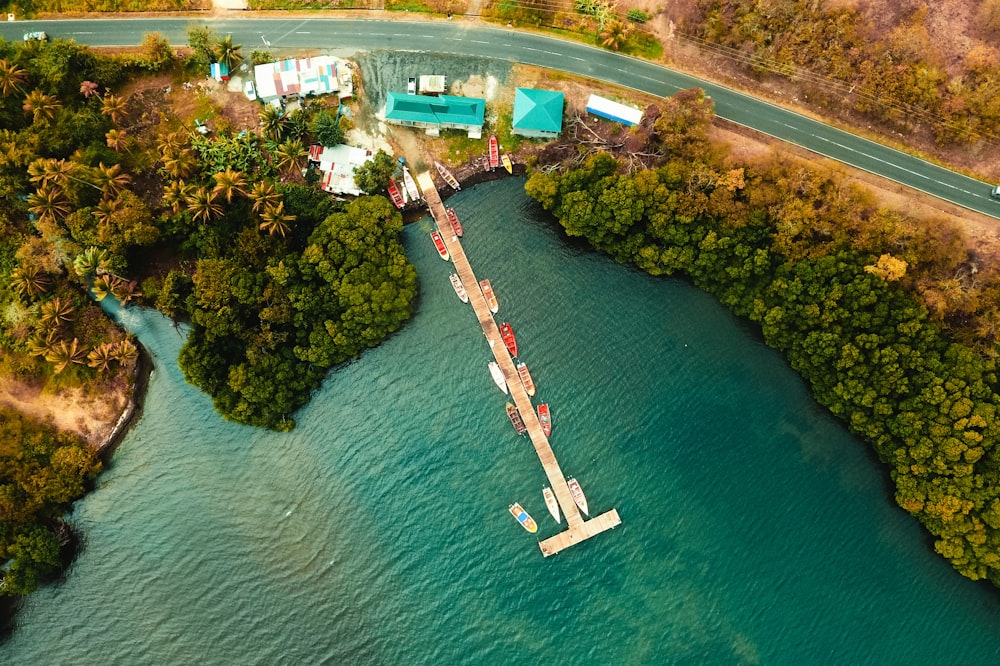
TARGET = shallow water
(755,529)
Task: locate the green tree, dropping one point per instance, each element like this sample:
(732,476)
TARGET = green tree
(12,78)
(42,107)
(229,53)
(274,220)
(373,176)
(327,130)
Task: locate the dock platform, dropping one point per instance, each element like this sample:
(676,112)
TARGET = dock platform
(579,529)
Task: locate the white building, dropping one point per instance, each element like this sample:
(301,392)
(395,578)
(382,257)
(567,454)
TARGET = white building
(337,164)
(606,108)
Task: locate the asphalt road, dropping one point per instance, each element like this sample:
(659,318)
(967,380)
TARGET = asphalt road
(461,38)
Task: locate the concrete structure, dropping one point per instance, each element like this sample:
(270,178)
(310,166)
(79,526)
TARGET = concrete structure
(306,76)
(436,113)
(432,84)
(538,113)
(579,529)
(337,164)
(605,108)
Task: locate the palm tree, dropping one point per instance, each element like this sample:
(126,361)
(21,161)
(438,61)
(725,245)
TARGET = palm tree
(229,182)
(117,140)
(48,203)
(175,195)
(274,220)
(172,142)
(110,178)
(105,209)
(113,107)
(290,155)
(201,202)
(614,34)
(91,261)
(229,53)
(88,89)
(263,195)
(103,285)
(180,163)
(273,122)
(29,280)
(42,107)
(57,311)
(45,171)
(101,357)
(42,345)
(12,78)
(124,290)
(125,351)
(66,353)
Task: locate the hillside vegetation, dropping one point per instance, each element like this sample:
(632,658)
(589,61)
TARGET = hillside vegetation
(832,281)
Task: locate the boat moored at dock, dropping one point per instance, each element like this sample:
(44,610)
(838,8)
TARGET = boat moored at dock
(494,152)
(527,522)
(505,158)
(577,492)
(448,178)
(515,419)
(497,373)
(456,282)
(395,196)
(491,299)
(507,335)
(526,380)
(544,419)
(439,244)
(551,503)
(455,224)
(410,185)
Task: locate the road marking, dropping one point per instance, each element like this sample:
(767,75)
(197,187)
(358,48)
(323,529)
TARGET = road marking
(300,32)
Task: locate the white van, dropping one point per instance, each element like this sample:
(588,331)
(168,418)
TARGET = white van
(995,192)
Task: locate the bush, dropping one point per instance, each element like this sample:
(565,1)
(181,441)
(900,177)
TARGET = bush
(637,16)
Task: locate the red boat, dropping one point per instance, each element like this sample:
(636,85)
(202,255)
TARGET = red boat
(544,419)
(439,244)
(455,224)
(494,152)
(394,194)
(507,333)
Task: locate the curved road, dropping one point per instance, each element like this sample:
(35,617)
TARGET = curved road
(461,38)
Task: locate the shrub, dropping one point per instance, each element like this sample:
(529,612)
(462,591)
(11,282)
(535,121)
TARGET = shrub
(637,16)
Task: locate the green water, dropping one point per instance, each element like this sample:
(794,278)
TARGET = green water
(755,529)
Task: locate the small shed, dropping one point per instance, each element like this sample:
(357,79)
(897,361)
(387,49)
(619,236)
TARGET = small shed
(219,71)
(611,110)
(432,84)
(538,113)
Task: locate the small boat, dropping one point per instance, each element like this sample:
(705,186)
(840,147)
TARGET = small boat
(456,282)
(448,178)
(397,198)
(515,419)
(526,381)
(410,185)
(439,244)
(507,333)
(577,492)
(507,164)
(498,377)
(544,419)
(491,299)
(552,503)
(527,522)
(455,224)
(494,152)
(486,162)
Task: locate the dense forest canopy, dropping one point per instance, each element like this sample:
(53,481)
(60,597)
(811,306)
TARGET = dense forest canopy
(831,280)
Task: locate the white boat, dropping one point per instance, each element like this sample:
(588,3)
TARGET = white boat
(410,185)
(552,503)
(456,282)
(498,377)
(577,492)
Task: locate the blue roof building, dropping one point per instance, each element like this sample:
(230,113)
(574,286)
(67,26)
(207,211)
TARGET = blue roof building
(435,113)
(538,113)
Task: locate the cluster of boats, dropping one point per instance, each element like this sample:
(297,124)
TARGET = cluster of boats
(495,159)
(552,504)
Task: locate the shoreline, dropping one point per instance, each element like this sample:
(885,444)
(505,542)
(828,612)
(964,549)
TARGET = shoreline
(133,409)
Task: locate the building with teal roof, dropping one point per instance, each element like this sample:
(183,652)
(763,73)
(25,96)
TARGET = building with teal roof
(538,113)
(436,113)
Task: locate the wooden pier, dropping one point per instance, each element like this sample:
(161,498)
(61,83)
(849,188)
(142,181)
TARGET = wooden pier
(579,528)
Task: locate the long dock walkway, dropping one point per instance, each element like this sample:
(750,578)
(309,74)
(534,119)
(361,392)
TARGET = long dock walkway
(580,528)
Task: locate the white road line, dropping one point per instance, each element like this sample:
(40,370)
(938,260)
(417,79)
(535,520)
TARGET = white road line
(299,32)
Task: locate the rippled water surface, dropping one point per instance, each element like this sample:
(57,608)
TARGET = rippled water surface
(755,530)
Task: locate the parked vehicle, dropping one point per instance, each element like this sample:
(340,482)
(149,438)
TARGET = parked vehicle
(995,192)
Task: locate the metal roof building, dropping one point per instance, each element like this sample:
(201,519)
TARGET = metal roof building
(305,76)
(538,113)
(436,113)
(605,108)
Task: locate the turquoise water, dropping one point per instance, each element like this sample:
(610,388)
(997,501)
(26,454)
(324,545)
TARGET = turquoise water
(755,530)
